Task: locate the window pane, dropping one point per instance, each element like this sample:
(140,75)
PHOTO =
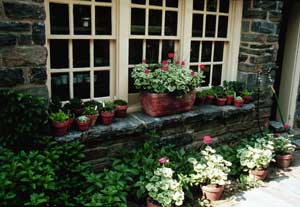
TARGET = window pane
(172,3)
(212,5)
(103,0)
(155,2)
(210,26)
(59,54)
(135,51)
(82,19)
(198,5)
(131,87)
(152,49)
(168,46)
(59,18)
(217,73)
(81,53)
(195,46)
(138,1)
(218,52)
(81,83)
(171,23)
(206,73)
(223,25)
(60,86)
(197,25)
(103,20)
(206,51)
(101,83)
(101,53)
(138,21)
(224,6)
(155,21)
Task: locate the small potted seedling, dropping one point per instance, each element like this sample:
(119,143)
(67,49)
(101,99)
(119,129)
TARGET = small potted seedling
(92,113)
(201,97)
(210,96)
(76,106)
(121,107)
(284,151)
(60,123)
(220,95)
(83,123)
(238,101)
(230,97)
(107,112)
(67,109)
(247,96)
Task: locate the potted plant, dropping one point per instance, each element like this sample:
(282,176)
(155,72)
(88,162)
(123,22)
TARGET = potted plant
(92,113)
(163,189)
(220,95)
(238,101)
(229,96)
(76,106)
(210,96)
(201,97)
(283,150)
(167,87)
(121,107)
(246,96)
(83,122)
(256,160)
(60,123)
(107,112)
(211,172)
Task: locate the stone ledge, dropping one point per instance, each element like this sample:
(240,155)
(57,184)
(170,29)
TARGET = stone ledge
(138,122)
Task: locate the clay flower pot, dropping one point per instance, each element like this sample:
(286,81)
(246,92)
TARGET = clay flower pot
(247,99)
(238,103)
(107,117)
(121,111)
(150,203)
(259,174)
(221,101)
(212,192)
(61,128)
(200,100)
(210,99)
(83,126)
(93,119)
(284,161)
(229,100)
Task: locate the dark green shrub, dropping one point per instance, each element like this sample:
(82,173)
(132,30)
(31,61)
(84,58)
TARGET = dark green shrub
(23,119)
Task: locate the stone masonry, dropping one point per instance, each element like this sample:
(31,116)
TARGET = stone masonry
(22,52)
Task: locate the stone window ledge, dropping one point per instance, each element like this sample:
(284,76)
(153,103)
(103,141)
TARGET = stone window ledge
(139,122)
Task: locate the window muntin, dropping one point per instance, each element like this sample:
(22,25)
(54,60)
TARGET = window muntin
(209,38)
(81,43)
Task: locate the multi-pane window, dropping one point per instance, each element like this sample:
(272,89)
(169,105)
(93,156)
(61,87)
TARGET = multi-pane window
(154,32)
(81,42)
(209,38)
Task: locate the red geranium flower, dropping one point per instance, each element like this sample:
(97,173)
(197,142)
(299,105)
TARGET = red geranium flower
(277,134)
(177,62)
(202,67)
(183,63)
(171,55)
(144,61)
(165,62)
(193,73)
(146,71)
(207,139)
(164,68)
(286,126)
(163,160)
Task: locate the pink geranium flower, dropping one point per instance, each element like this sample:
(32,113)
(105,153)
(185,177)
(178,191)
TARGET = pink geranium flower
(177,62)
(183,63)
(286,126)
(207,139)
(164,68)
(277,134)
(146,71)
(193,73)
(171,55)
(165,62)
(202,67)
(163,160)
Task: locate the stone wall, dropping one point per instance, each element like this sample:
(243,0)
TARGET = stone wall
(22,51)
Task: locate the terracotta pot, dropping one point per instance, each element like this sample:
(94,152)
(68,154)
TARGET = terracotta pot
(247,99)
(160,104)
(107,117)
(238,103)
(83,126)
(229,100)
(212,192)
(78,112)
(200,100)
(93,119)
(284,161)
(61,128)
(210,99)
(151,204)
(71,121)
(221,101)
(259,174)
(121,111)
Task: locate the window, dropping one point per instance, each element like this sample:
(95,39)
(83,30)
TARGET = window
(81,42)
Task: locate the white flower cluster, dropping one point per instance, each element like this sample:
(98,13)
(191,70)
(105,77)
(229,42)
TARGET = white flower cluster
(283,145)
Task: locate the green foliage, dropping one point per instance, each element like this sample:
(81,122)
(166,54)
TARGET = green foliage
(76,103)
(58,117)
(202,93)
(82,119)
(236,86)
(246,182)
(219,91)
(120,102)
(283,145)
(173,79)
(108,106)
(246,93)
(55,105)
(23,119)
(90,110)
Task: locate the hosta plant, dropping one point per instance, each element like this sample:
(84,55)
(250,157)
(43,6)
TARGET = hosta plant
(164,189)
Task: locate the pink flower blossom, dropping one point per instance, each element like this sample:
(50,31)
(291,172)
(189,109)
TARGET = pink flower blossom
(146,71)
(163,160)
(207,139)
(165,68)
(277,134)
(171,55)
(144,61)
(286,126)
(193,73)
(183,63)
(165,62)
(202,67)
(177,62)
